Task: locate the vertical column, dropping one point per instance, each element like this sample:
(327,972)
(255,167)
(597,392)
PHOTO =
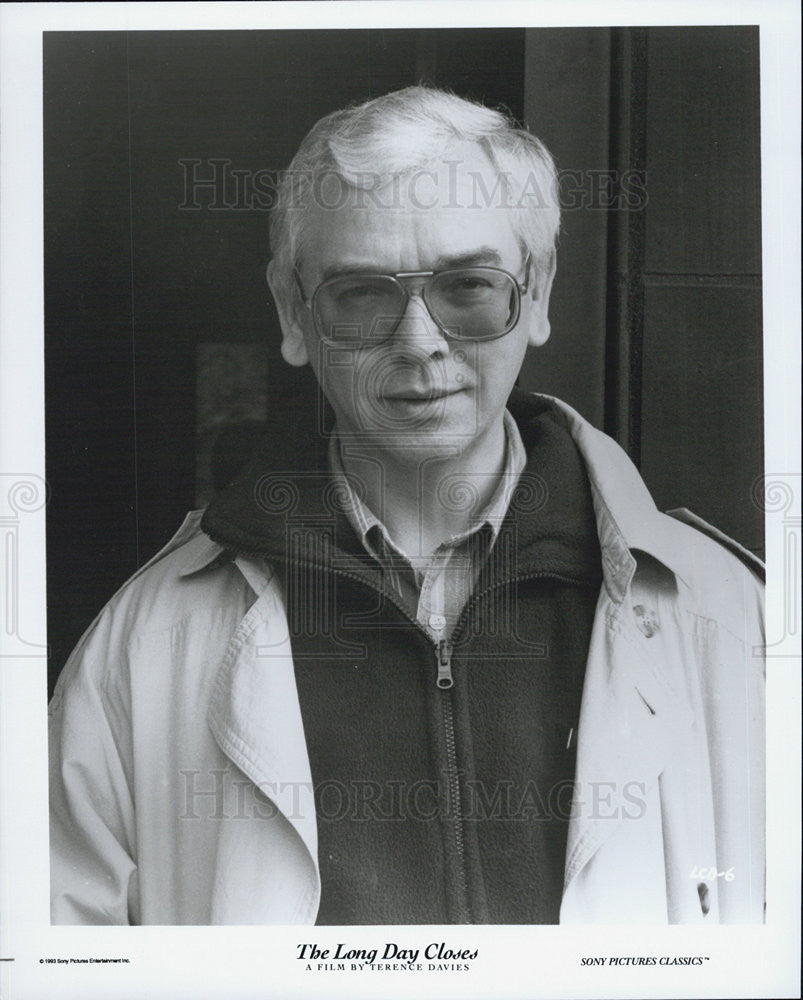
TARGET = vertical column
(567,96)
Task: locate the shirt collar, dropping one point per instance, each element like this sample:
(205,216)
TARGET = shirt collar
(368,526)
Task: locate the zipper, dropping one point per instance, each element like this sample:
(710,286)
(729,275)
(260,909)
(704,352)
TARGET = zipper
(445,682)
(456,807)
(443,652)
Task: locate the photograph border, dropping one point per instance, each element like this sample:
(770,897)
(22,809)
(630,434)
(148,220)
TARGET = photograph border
(247,961)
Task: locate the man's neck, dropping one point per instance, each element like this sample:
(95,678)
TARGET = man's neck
(423,500)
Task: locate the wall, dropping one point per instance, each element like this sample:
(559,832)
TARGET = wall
(656,313)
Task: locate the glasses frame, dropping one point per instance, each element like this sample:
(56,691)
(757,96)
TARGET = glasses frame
(405,276)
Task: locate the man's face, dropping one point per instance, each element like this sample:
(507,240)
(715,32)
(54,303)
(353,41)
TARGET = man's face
(418,394)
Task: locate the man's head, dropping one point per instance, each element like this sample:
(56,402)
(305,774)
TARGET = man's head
(415,181)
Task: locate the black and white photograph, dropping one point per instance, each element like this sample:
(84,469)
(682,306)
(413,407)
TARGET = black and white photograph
(411,474)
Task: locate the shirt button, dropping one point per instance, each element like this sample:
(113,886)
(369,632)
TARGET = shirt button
(437,622)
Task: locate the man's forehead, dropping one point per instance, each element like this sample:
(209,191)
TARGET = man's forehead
(409,239)
(455,211)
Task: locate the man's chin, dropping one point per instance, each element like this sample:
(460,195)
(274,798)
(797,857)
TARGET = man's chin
(408,428)
(409,446)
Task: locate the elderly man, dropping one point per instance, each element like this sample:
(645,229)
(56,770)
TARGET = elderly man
(443,662)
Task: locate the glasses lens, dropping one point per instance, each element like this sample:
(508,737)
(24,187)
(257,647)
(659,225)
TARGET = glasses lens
(474,303)
(354,307)
(471,303)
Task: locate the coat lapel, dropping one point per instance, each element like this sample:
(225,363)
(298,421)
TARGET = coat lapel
(631,715)
(255,717)
(628,723)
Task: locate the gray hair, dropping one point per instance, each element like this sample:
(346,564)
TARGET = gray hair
(365,147)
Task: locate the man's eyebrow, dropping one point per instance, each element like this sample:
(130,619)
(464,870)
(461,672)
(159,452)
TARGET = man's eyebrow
(357,267)
(471,258)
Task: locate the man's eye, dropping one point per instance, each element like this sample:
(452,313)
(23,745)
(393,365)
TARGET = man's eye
(466,284)
(357,293)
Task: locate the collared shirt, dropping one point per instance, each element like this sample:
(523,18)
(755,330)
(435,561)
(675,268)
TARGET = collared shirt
(438,585)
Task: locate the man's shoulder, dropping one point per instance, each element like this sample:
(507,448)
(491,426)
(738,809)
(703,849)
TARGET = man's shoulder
(720,580)
(183,557)
(186,578)
(723,541)
(618,482)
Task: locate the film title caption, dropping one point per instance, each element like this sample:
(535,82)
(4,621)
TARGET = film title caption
(435,956)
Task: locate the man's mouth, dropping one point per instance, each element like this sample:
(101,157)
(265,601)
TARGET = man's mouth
(422,395)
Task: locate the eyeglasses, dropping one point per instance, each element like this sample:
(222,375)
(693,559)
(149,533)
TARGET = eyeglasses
(467,303)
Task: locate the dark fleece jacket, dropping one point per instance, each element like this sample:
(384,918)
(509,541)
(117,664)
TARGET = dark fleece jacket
(434,806)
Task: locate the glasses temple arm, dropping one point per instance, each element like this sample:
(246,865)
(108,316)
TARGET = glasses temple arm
(307,302)
(528,264)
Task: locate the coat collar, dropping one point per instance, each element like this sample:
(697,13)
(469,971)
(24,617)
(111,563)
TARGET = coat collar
(203,553)
(627,518)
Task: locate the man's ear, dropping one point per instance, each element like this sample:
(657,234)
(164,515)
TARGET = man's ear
(294,348)
(538,302)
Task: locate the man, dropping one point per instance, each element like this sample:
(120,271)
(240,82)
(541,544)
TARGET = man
(443,662)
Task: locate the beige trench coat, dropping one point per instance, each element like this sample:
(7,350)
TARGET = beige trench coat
(180,782)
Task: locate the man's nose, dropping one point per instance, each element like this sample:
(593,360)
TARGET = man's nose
(417,330)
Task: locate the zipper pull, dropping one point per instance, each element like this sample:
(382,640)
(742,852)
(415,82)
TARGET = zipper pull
(444,654)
